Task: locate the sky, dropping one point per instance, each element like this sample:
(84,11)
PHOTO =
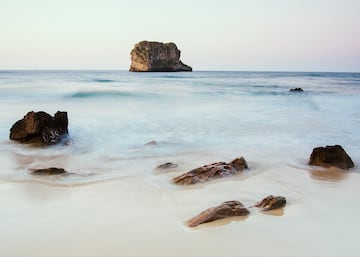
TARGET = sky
(249,35)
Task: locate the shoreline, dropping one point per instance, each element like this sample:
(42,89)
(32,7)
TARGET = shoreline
(140,209)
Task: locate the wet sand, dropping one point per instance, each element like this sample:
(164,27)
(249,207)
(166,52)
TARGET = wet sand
(145,215)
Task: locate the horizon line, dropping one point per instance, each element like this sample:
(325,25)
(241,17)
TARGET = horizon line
(200,70)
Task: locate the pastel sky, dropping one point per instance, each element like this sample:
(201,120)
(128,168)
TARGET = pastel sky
(269,35)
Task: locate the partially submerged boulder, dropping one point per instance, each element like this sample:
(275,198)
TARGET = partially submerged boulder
(297,89)
(40,128)
(167,165)
(156,56)
(225,210)
(271,203)
(331,156)
(151,143)
(217,169)
(49,171)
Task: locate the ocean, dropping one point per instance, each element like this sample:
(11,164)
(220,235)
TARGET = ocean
(118,204)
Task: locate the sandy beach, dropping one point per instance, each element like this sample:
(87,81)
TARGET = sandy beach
(145,215)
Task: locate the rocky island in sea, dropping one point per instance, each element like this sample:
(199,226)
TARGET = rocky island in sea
(156,56)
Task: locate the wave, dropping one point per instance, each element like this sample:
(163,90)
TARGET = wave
(175,76)
(93,94)
(104,80)
(278,93)
(111,94)
(267,86)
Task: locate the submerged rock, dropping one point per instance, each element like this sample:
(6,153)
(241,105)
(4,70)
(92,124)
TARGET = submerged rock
(153,142)
(156,56)
(225,210)
(217,169)
(331,156)
(271,203)
(40,128)
(297,89)
(49,171)
(167,165)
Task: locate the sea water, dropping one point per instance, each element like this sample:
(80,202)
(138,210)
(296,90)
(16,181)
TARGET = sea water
(194,118)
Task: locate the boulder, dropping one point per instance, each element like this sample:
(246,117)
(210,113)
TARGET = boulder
(331,156)
(167,165)
(156,56)
(40,128)
(225,210)
(153,142)
(297,89)
(48,171)
(271,203)
(217,169)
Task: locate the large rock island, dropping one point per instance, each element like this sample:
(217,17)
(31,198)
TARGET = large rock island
(156,56)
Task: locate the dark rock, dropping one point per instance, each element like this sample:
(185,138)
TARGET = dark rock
(156,56)
(49,171)
(297,89)
(40,128)
(217,169)
(153,142)
(167,165)
(271,203)
(225,210)
(331,156)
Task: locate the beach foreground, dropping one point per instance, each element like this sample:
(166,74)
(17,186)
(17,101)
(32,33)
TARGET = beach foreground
(144,216)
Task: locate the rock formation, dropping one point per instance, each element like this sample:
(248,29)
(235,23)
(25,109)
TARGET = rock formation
(297,89)
(271,203)
(156,56)
(217,169)
(331,156)
(153,142)
(167,165)
(225,210)
(49,171)
(40,128)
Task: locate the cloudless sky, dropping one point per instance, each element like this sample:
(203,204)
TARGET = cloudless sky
(279,35)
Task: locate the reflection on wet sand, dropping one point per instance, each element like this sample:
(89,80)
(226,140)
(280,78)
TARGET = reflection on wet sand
(329,174)
(29,160)
(77,180)
(277,212)
(221,222)
(332,174)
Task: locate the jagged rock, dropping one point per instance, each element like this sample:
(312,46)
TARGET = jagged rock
(331,156)
(156,56)
(271,202)
(297,89)
(225,210)
(217,169)
(40,128)
(167,165)
(49,171)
